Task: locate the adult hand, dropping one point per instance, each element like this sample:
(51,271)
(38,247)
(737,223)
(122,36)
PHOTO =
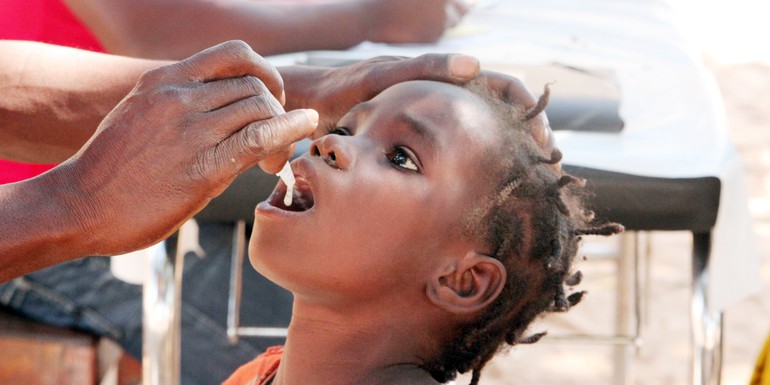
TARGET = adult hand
(174,143)
(334,91)
(513,91)
(409,21)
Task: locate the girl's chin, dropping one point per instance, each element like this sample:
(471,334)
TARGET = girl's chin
(268,246)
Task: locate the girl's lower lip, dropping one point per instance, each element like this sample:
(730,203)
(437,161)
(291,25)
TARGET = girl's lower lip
(265,209)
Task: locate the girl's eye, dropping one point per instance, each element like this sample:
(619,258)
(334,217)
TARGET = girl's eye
(400,157)
(343,131)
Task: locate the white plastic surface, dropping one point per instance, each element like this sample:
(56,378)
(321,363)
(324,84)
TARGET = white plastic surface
(674,115)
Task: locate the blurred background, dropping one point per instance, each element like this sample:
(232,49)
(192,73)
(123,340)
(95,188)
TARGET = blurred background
(733,36)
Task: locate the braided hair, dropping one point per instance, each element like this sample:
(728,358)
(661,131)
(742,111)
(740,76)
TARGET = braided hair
(533,221)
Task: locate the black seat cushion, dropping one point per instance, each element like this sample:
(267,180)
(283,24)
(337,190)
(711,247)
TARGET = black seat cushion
(647,203)
(240,198)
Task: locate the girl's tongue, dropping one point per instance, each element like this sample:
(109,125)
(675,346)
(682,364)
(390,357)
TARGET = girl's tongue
(300,198)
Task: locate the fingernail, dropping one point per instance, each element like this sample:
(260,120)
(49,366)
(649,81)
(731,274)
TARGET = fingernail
(312,115)
(463,66)
(283,98)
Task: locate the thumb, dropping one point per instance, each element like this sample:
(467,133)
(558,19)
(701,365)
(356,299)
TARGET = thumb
(272,164)
(261,139)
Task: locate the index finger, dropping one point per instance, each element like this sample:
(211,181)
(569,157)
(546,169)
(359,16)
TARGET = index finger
(513,91)
(228,60)
(508,88)
(451,68)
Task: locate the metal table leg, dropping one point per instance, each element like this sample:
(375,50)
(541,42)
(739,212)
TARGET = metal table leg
(161,308)
(234,328)
(706,324)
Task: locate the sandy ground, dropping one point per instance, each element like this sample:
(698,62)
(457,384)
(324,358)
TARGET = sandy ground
(663,358)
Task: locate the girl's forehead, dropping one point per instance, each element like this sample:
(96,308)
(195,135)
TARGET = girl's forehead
(443,103)
(438,92)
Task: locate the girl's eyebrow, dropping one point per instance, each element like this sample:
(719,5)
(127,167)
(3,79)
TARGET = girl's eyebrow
(360,108)
(424,128)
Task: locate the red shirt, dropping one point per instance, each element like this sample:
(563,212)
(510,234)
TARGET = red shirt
(47,21)
(260,371)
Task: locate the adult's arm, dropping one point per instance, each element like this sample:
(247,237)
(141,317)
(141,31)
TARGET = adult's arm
(159,157)
(173,29)
(176,141)
(334,91)
(53,97)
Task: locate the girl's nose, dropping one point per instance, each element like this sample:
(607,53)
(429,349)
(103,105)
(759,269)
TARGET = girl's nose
(333,149)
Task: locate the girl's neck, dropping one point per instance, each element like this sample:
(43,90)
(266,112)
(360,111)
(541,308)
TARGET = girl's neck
(358,347)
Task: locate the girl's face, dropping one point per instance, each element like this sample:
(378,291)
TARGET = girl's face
(379,199)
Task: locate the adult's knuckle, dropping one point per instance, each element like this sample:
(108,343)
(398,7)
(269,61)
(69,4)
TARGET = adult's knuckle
(385,59)
(197,172)
(253,84)
(260,137)
(237,46)
(152,77)
(256,106)
(173,96)
(239,50)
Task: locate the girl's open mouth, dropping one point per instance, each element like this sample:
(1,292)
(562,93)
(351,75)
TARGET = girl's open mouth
(302,199)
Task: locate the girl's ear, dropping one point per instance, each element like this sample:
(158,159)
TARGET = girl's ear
(468,285)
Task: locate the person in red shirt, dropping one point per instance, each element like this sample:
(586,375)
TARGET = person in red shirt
(46,21)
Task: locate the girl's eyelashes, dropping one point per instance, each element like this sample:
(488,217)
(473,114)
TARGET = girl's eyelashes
(401,157)
(343,131)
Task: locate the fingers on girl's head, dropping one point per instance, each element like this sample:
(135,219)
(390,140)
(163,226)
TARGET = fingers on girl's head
(509,89)
(513,91)
(451,68)
(231,59)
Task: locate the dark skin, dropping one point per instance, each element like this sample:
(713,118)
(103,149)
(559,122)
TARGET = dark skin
(175,29)
(130,186)
(379,265)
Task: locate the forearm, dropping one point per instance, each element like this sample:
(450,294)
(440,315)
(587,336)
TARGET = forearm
(54,97)
(38,231)
(176,29)
(333,91)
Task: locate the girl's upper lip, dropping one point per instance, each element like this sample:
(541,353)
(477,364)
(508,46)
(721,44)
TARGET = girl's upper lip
(303,169)
(304,191)
(306,174)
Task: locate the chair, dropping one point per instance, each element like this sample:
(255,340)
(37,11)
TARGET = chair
(690,204)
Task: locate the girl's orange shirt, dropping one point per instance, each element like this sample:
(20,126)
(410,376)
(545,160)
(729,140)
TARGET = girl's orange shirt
(260,371)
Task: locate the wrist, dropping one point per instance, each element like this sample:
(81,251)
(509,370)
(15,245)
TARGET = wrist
(69,207)
(301,85)
(37,230)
